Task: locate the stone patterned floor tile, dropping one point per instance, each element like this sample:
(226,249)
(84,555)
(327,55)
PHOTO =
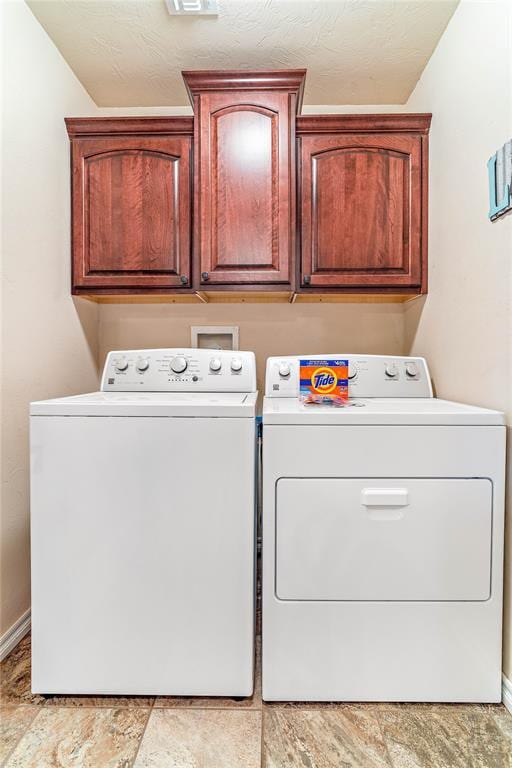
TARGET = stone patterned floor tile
(106,731)
(503,719)
(432,706)
(110,702)
(347,737)
(313,705)
(15,677)
(80,738)
(445,736)
(14,721)
(206,702)
(193,738)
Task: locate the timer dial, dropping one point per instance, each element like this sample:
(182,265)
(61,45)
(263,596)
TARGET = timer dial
(178,364)
(121,365)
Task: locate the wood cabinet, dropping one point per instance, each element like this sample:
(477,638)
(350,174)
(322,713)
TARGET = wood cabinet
(249,199)
(131,204)
(363,202)
(245,176)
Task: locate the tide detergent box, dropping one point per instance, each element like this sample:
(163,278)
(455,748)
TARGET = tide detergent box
(324,381)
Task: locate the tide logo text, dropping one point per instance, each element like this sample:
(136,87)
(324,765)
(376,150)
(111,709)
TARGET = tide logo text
(324,380)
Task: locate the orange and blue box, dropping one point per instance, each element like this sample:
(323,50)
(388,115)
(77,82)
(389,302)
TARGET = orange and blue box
(327,379)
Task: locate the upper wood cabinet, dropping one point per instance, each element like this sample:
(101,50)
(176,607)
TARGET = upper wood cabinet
(245,176)
(131,211)
(246,197)
(363,202)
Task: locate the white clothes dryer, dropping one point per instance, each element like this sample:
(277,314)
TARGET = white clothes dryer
(382,540)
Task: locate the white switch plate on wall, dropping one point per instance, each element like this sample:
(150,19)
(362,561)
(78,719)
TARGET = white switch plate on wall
(214,336)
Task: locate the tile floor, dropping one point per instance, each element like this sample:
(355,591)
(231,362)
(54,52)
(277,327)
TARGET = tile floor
(141,732)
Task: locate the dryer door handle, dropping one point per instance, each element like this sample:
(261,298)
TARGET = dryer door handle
(384,497)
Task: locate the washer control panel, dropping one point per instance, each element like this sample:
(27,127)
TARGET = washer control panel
(179,370)
(368,375)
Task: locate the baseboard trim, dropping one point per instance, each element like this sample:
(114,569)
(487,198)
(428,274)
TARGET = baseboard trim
(506,693)
(14,634)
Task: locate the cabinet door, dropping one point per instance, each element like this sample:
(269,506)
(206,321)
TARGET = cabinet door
(361,206)
(245,177)
(131,212)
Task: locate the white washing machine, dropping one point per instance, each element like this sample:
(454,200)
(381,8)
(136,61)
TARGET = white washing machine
(142,526)
(382,540)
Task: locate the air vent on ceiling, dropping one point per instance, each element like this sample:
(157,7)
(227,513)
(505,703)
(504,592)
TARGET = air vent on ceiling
(193,7)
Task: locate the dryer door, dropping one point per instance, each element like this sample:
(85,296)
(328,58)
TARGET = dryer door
(393,539)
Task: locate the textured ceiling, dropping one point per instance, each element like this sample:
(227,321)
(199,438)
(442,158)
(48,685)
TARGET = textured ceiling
(131,52)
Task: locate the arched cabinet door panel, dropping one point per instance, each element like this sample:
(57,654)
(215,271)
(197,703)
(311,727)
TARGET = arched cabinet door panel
(131,212)
(245,188)
(361,211)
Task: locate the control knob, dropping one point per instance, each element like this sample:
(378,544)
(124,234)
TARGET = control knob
(121,365)
(178,364)
(215,364)
(352,370)
(142,365)
(284,370)
(411,369)
(236,365)
(391,370)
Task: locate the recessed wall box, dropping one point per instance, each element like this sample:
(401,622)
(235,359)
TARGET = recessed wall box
(214,336)
(192,7)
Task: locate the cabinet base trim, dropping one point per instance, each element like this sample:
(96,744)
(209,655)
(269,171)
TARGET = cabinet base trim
(251,297)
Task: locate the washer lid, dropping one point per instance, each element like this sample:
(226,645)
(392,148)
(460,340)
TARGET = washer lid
(387,411)
(205,404)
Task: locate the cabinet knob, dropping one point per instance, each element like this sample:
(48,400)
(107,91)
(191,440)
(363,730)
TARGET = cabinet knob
(307,279)
(183,279)
(205,276)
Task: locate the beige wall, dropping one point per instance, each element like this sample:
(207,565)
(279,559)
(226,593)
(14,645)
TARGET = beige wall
(49,342)
(267,329)
(464,326)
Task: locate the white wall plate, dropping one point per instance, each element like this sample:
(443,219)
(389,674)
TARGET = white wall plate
(192,7)
(214,336)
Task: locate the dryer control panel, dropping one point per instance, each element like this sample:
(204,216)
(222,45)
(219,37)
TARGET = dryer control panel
(179,370)
(369,375)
